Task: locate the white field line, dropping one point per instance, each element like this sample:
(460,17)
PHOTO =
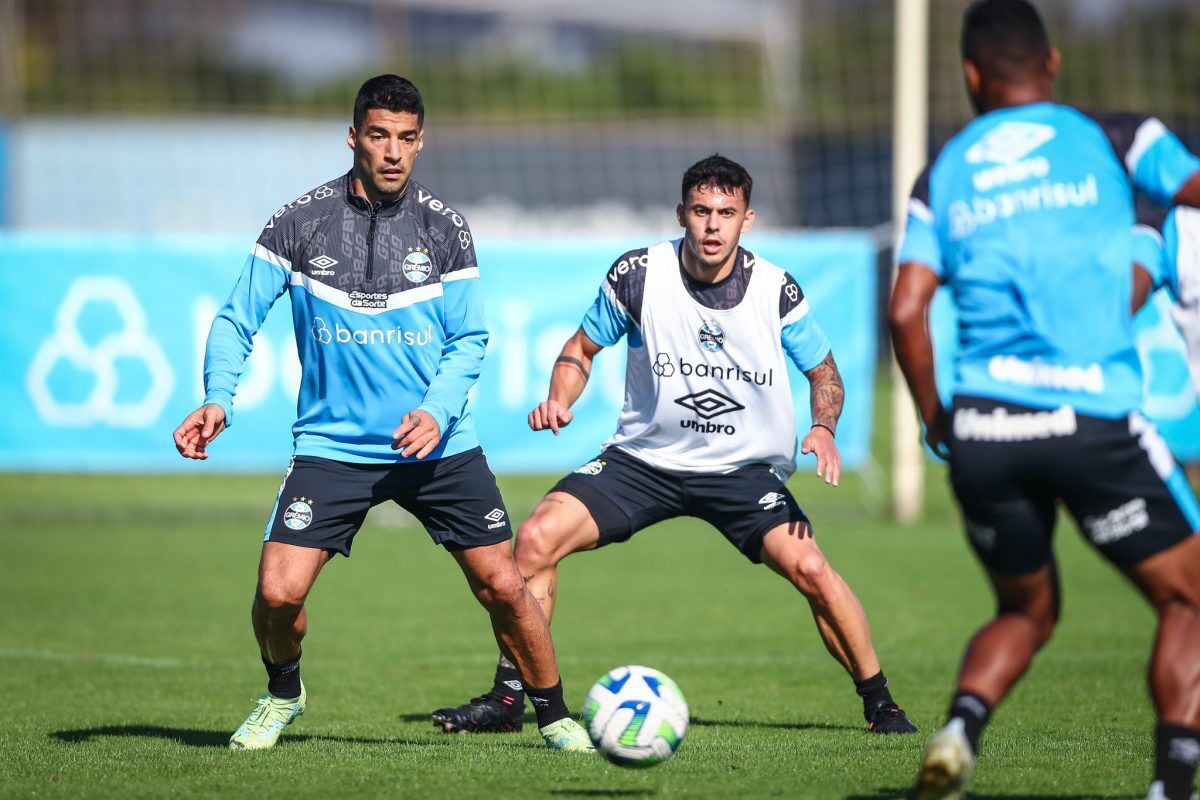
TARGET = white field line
(483,656)
(121,660)
(91,658)
(781,660)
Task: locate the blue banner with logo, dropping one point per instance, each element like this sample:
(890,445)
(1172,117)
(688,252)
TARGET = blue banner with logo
(104,344)
(1170,400)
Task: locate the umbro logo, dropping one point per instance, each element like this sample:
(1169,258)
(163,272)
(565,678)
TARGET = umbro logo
(1185,750)
(323,265)
(1009,142)
(771,500)
(709,403)
(496,518)
(971,705)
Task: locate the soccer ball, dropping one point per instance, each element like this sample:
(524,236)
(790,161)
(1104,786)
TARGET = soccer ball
(636,716)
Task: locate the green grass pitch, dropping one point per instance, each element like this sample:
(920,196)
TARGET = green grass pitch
(126,656)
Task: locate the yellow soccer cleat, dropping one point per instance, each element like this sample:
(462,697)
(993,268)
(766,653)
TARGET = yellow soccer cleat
(567,735)
(266,722)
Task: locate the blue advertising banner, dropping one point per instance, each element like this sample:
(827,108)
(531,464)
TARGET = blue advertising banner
(104,341)
(1170,400)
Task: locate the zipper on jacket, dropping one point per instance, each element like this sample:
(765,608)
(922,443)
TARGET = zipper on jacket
(370,243)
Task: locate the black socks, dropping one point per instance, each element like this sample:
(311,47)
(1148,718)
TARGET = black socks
(283,680)
(548,704)
(1176,751)
(874,692)
(973,711)
(507,686)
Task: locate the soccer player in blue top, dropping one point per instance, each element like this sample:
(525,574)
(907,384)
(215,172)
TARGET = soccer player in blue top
(1026,216)
(1171,260)
(390,334)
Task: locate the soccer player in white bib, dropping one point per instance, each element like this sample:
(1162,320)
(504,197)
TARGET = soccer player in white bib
(708,429)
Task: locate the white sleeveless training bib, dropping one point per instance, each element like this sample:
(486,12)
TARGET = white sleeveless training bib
(708,389)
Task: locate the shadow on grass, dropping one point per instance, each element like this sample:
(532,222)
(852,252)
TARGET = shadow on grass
(427,718)
(906,792)
(602,792)
(196,738)
(702,722)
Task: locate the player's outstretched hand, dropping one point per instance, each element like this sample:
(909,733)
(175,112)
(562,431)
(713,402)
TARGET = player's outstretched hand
(829,461)
(198,429)
(418,433)
(550,414)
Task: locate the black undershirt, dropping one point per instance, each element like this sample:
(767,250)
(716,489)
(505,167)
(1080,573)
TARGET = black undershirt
(725,293)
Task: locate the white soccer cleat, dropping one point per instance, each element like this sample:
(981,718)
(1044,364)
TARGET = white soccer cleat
(947,765)
(1157,792)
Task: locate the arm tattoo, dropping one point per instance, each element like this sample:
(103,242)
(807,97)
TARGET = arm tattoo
(573,362)
(826,393)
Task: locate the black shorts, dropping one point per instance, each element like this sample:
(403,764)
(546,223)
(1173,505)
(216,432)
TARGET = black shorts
(625,494)
(322,503)
(1011,465)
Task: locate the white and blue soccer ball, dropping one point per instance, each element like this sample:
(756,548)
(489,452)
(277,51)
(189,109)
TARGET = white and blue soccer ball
(636,716)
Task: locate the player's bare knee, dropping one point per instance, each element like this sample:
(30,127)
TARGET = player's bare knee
(1178,606)
(1172,589)
(1041,618)
(536,548)
(278,599)
(504,590)
(812,575)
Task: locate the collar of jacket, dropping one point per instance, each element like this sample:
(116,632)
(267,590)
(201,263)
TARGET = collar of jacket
(387,208)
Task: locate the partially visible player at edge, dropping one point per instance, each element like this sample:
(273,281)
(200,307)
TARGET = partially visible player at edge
(708,429)
(390,334)
(1026,215)
(1170,260)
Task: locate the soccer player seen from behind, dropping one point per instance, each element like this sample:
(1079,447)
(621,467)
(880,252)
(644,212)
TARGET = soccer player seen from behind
(708,429)
(1026,216)
(390,335)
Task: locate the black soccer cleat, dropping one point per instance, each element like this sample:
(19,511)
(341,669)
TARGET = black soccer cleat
(889,718)
(485,714)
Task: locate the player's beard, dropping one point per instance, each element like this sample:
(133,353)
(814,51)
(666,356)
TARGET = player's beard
(389,187)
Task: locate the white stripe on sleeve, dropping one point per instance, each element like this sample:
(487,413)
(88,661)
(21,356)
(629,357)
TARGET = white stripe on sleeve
(1147,134)
(920,210)
(796,314)
(271,257)
(612,298)
(461,274)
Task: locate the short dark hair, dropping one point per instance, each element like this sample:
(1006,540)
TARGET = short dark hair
(1006,39)
(718,172)
(391,93)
